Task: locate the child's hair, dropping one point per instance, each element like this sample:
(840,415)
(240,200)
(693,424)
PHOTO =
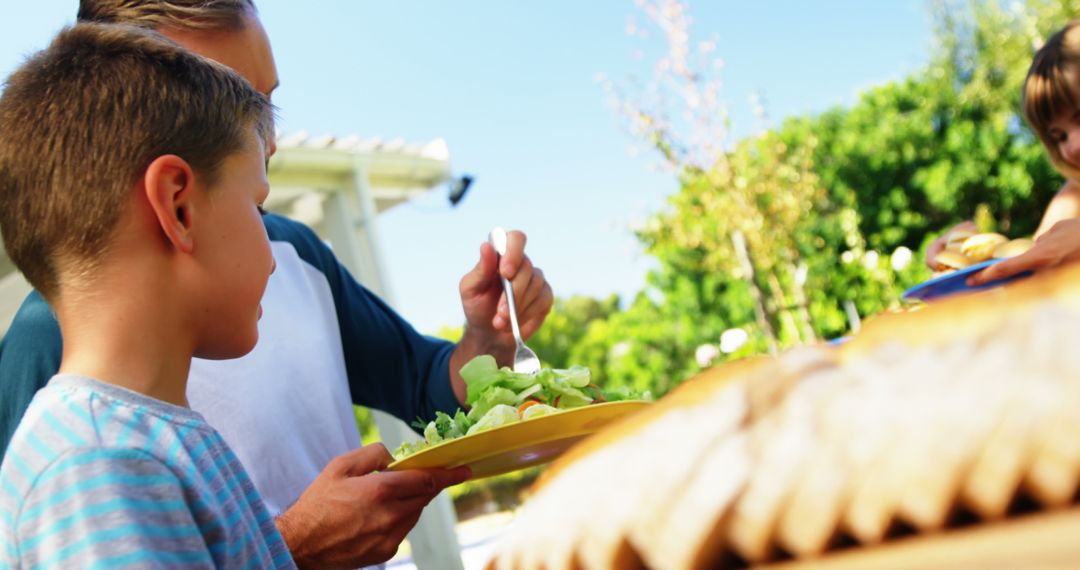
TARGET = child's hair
(155,14)
(82,120)
(1052,88)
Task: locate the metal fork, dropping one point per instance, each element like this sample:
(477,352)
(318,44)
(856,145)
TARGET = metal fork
(525,360)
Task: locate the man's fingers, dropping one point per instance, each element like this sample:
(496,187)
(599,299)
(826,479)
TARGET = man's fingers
(510,264)
(361,461)
(478,280)
(538,312)
(520,284)
(532,291)
(415,483)
(399,522)
(411,513)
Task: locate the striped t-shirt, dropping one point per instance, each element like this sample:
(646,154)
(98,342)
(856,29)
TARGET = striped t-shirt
(99,476)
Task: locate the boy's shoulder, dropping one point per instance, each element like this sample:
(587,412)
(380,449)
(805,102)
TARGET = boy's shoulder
(74,416)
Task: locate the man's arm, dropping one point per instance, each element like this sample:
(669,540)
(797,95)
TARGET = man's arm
(29,356)
(390,366)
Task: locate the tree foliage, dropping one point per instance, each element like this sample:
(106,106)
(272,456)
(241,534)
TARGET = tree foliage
(835,207)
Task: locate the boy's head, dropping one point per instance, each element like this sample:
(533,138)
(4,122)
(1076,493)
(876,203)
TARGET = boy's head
(226,31)
(1051,96)
(156,14)
(87,121)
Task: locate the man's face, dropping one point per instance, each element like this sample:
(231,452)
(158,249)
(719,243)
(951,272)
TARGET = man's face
(247,51)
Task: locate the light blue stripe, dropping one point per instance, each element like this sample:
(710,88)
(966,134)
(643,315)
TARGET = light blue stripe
(106,507)
(9,518)
(258,561)
(253,499)
(92,483)
(234,518)
(105,455)
(231,489)
(20,464)
(136,417)
(144,556)
(284,556)
(199,505)
(196,455)
(155,432)
(12,552)
(10,487)
(107,414)
(222,458)
(39,446)
(126,531)
(72,437)
(262,514)
(77,409)
(181,435)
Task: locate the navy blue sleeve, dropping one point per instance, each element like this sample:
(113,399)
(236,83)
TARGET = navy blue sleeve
(29,356)
(390,366)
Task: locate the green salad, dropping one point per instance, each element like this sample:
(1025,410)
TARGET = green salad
(499,396)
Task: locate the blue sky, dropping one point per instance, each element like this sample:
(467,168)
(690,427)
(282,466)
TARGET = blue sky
(511,86)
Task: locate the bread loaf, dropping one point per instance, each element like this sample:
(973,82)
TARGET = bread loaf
(957,411)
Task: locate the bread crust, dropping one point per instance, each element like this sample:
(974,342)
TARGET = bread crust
(963,406)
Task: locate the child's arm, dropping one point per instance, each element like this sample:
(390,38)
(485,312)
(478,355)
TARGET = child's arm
(114,507)
(1057,241)
(1064,206)
(1059,246)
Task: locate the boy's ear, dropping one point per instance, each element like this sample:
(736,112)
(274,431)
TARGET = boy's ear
(169,183)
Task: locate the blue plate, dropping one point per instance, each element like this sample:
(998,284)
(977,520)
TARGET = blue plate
(955,282)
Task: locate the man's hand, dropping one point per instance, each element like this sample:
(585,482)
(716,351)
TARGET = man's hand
(487,314)
(353,516)
(1059,246)
(938,245)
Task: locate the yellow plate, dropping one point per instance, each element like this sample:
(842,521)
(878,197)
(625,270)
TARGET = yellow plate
(520,444)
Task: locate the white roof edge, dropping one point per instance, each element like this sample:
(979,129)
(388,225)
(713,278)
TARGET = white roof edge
(435,149)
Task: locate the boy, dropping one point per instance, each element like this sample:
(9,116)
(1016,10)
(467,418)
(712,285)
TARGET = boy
(131,177)
(325,343)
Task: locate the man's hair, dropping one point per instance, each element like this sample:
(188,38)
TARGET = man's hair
(82,120)
(156,14)
(1052,89)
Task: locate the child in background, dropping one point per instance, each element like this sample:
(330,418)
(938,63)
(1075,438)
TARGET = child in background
(132,174)
(1051,106)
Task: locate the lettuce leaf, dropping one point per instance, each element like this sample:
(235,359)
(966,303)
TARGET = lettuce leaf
(494,394)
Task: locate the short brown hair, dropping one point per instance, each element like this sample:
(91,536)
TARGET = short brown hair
(82,120)
(1052,88)
(156,14)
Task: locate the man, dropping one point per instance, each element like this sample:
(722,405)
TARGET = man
(325,343)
